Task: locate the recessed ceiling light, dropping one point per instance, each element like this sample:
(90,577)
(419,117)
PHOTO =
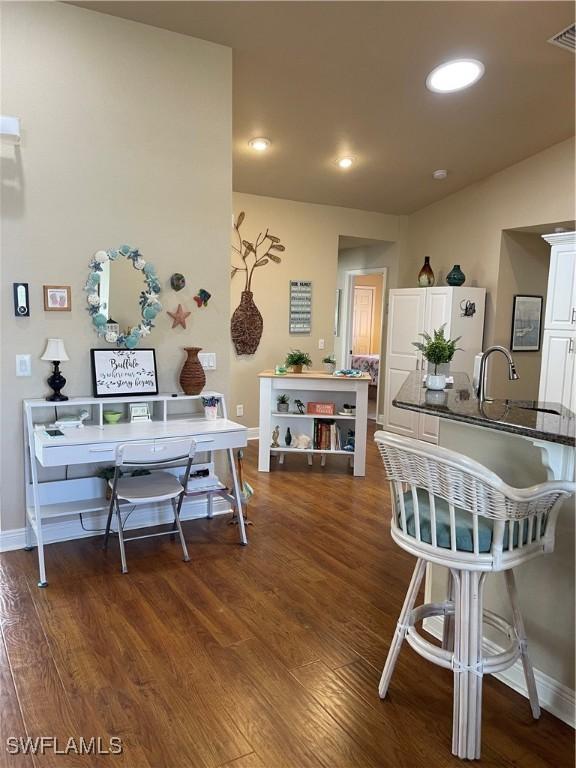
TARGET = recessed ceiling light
(441,173)
(455,75)
(260,144)
(346,162)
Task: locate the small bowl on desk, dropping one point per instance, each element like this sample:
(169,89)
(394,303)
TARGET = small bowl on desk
(112,417)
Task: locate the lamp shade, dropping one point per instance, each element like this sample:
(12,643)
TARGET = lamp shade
(55,350)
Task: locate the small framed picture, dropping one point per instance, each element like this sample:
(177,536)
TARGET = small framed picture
(526,323)
(57,298)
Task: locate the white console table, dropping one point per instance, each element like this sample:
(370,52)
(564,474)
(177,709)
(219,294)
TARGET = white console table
(312,386)
(96,443)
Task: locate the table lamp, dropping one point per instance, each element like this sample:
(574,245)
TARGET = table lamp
(56,353)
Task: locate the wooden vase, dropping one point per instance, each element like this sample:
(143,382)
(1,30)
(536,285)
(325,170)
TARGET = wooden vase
(297,368)
(192,376)
(246,325)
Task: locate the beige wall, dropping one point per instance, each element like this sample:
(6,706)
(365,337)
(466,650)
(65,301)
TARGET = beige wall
(466,228)
(126,138)
(524,266)
(310,234)
(375,282)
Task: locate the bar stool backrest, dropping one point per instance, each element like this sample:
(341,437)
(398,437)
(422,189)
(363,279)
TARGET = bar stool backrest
(466,486)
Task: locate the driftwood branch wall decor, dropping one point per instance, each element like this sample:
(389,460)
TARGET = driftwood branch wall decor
(246,325)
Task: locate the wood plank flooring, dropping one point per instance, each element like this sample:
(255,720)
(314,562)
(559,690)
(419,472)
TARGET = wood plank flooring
(266,656)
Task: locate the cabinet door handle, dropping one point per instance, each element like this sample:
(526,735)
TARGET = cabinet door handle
(573,320)
(571,345)
(417,363)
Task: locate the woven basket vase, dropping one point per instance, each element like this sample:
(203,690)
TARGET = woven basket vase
(246,325)
(192,376)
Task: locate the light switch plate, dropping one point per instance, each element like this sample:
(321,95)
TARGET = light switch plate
(321,343)
(23,365)
(207,360)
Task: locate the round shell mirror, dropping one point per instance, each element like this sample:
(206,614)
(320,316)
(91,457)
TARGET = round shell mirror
(121,307)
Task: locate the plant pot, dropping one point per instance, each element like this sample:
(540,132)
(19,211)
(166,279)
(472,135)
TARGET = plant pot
(436,397)
(192,376)
(283,407)
(329,367)
(436,382)
(297,368)
(211,412)
(246,325)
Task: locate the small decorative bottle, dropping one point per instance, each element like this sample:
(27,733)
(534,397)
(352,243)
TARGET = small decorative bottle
(426,277)
(288,438)
(455,277)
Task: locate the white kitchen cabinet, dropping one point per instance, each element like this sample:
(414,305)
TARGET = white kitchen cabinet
(412,311)
(557,373)
(561,297)
(559,337)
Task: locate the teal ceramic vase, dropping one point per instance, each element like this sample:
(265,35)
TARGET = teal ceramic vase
(455,277)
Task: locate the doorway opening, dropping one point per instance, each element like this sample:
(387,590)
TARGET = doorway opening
(366,291)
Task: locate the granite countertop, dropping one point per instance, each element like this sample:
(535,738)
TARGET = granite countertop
(458,402)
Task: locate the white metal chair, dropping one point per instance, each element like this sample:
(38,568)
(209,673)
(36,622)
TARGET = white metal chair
(452,511)
(155,487)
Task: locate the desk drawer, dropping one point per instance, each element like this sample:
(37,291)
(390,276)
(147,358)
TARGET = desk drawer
(92,453)
(59,455)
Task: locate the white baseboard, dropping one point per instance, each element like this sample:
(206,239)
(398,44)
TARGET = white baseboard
(554,696)
(66,528)
(253,433)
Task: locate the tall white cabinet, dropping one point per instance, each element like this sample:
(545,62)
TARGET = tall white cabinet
(559,336)
(412,311)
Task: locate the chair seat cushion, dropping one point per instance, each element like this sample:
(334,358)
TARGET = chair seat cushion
(157,486)
(464,534)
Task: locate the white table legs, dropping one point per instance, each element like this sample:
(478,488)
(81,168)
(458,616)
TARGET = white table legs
(238,498)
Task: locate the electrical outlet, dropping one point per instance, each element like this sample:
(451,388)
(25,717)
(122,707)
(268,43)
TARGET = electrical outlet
(320,343)
(239,410)
(207,360)
(23,365)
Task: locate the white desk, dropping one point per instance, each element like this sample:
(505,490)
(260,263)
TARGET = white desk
(96,443)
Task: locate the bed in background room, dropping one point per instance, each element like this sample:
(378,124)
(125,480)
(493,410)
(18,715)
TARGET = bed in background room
(367,364)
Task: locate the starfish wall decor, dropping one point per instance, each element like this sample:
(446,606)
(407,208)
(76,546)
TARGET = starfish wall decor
(179,316)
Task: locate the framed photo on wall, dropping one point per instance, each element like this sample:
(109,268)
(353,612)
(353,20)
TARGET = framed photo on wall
(526,323)
(124,372)
(57,298)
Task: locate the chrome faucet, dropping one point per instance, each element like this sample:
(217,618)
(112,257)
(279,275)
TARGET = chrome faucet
(512,374)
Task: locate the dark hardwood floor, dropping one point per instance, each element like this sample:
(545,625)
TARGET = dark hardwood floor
(266,656)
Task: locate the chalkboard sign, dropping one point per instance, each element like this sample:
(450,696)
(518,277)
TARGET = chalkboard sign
(124,372)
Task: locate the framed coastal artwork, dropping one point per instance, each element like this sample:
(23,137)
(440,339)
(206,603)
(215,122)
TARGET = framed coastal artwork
(526,323)
(123,372)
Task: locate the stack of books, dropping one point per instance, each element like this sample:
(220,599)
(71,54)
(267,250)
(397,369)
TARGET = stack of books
(327,435)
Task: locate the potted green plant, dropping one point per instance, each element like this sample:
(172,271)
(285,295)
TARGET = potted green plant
(438,350)
(282,401)
(296,359)
(329,363)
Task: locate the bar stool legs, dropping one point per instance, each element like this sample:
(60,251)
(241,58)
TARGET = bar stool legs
(467,663)
(401,627)
(521,635)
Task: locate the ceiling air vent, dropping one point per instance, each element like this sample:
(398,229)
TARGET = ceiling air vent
(566,38)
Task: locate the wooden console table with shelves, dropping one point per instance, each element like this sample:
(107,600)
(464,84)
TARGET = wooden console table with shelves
(96,442)
(313,386)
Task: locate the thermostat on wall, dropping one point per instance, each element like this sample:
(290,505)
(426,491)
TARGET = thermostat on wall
(21,303)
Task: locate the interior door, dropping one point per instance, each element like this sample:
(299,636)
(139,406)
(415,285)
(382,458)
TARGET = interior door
(405,321)
(363,319)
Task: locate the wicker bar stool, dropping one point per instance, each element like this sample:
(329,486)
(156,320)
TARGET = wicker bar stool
(452,511)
